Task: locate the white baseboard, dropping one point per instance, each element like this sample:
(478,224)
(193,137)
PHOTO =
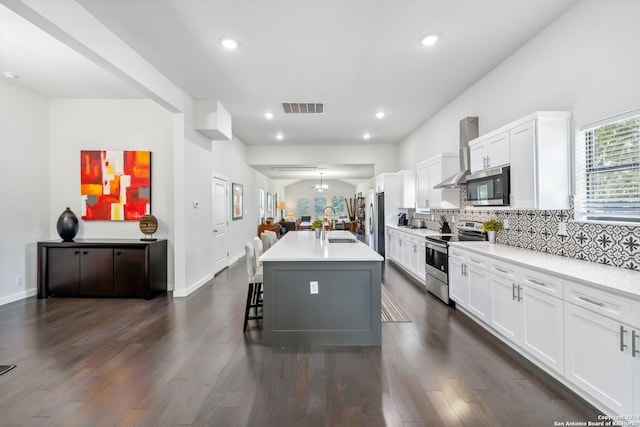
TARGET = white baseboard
(192,288)
(18,296)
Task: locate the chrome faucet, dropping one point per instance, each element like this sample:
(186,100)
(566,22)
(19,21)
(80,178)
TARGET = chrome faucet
(323,234)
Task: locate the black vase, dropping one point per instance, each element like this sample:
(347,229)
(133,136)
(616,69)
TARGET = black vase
(67,225)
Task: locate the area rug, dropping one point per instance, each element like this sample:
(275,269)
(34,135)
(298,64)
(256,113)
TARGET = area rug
(6,368)
(391,311)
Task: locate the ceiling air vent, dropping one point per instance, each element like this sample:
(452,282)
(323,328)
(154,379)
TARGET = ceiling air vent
(303,107)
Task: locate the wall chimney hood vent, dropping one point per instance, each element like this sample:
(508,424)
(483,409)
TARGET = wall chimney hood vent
(468,132)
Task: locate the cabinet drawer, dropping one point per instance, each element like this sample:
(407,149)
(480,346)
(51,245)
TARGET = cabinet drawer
(476,260)
(613,306)
(542,282)
(457,253)
(503,269)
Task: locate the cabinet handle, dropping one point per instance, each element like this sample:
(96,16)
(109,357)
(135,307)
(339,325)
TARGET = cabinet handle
(622,332)
(85,252)
(488,161)
(633,343)
(476,261)
(591,301)
(538,283)
(513,291)
(519,290)
(76,252)
(118,253)
(501,270)
(462,269)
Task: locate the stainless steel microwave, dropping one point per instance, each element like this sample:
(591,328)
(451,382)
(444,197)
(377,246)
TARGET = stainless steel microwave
(489,187)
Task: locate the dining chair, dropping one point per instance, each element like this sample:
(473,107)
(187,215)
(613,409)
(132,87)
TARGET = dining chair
(266,241)
(273,237)
(255,278)
(258,249)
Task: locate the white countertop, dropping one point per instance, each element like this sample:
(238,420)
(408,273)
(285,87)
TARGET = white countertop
(620,280)
(421,232)
(303,246)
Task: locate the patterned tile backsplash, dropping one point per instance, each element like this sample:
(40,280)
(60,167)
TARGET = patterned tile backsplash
(615,245)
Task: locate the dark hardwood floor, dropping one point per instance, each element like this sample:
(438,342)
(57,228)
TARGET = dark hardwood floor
(185,361)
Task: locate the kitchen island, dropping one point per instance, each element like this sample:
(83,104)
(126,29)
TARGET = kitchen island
(321,292)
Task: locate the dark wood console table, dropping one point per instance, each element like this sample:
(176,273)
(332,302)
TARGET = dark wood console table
(102,268)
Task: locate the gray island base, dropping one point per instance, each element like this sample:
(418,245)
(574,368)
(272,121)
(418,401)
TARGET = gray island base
(321,293)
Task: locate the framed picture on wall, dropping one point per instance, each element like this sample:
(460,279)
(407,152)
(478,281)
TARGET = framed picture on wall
(236,201)
(115,185)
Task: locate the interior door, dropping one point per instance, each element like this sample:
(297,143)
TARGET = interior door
(220,224)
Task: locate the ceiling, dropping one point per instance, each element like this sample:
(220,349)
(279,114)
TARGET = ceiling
(356,57)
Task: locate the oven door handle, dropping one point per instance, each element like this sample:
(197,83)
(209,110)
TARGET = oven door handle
(432,243)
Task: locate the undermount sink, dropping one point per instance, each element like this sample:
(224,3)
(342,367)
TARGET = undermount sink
(341,240)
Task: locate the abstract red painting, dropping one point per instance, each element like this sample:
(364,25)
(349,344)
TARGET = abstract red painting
(115,185)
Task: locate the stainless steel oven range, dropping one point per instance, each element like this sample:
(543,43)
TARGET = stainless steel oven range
(437,256)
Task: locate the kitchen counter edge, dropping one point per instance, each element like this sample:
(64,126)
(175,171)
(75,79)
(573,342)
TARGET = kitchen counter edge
(623,281)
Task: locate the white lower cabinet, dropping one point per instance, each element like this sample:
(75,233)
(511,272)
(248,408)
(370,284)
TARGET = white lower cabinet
(528,318)
(584,336)
(469,282)
(458,283)
(478,279)
(596,360)
(636,373)
(422,259)
(408,252)
(392,245)
(407,249)
(505,310)
(542,333)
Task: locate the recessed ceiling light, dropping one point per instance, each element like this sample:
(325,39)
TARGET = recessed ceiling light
(380,114)
(9,75)
(279,137)
(268,116)
(366,136)
(430,40)
(228,43)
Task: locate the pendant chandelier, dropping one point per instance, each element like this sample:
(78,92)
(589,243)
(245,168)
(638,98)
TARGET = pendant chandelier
(321,187)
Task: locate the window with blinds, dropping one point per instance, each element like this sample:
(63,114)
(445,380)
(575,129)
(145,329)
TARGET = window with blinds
(608,170)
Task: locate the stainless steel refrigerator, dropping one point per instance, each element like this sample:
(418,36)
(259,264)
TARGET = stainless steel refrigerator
(377,232)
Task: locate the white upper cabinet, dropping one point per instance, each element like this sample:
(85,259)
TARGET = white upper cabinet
(540,168)
(537,148)
(489,151)
(407,180)
(430,173)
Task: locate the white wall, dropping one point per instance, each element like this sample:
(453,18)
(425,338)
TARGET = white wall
(229,158)
(205,159)
(24,188)
(183,161)
(586,62)
(77,125)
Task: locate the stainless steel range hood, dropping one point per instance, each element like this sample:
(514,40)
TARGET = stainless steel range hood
(468,131)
